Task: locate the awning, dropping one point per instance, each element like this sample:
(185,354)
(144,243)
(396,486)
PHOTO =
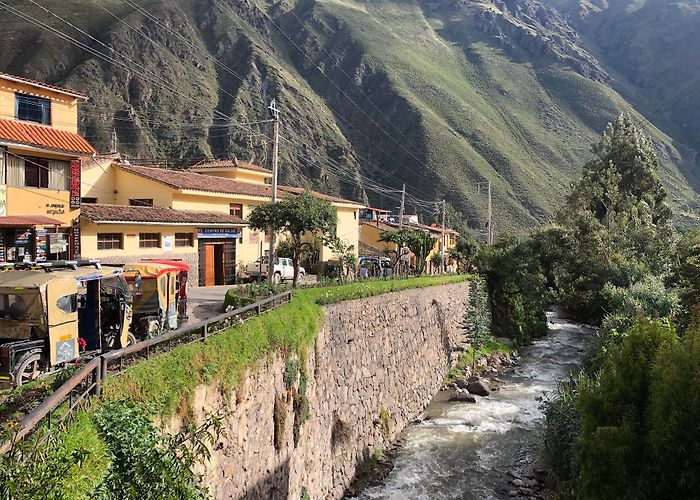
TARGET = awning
(28,220)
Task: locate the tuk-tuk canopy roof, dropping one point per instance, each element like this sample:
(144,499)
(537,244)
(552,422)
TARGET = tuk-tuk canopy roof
(180,265)
(149,269)
(37,278)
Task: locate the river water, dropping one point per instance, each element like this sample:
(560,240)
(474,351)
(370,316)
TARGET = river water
(466,450)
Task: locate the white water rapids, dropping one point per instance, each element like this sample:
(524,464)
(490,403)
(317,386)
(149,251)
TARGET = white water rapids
(464,450)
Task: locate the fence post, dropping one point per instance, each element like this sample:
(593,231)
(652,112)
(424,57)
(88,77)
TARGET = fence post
(257,310)
(204,333)
(103,368)
(97,373)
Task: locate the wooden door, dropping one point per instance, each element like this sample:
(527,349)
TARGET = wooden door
(209,267)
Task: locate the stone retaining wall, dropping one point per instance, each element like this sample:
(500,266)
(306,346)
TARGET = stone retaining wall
(374,367)
(191,259)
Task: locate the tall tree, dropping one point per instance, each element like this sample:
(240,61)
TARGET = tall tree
(299,217)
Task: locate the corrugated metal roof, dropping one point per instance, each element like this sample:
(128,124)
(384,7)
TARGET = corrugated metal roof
(43,136)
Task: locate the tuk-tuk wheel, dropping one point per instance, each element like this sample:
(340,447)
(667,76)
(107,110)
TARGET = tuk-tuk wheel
(130,339)
(27,369)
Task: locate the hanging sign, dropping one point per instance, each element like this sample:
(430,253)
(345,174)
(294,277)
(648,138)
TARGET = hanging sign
(75,183)
(76,242)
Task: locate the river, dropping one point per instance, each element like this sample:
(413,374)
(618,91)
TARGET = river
(468,450)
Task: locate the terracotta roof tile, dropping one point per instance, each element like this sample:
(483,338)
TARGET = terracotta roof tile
(43,136)
(126,213)
(234,163)
(44,85)
(28,220)
(184,179)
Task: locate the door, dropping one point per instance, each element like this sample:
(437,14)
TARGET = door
(209,276)
(62,315)
(219,264)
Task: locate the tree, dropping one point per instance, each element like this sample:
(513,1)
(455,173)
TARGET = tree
(420,243)
(345,254)
(463,252)
(518,293)
(297,216)
(476,321)
(615,225)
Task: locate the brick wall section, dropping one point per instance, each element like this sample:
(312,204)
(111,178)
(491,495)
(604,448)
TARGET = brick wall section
(192,259)
(390,351)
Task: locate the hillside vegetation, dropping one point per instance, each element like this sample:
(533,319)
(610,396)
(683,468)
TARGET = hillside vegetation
(441,94)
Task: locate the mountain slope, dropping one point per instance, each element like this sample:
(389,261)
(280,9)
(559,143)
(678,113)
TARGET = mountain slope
(441,94)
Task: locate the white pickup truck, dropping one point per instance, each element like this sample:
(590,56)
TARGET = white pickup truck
(282,271)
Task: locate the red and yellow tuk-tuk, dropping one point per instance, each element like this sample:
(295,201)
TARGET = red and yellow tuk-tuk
(157,289)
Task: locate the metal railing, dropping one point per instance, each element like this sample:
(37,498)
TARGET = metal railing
(87,381)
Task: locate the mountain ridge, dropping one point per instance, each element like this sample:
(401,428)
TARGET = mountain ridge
(441,94)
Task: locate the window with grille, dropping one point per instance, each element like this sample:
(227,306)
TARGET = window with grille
(110,241)
(32,109)
(141,202)
(235,209)
(183,239)
(149,240)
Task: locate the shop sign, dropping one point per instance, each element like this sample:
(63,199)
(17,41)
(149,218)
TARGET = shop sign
(75,183)
(58,243)
(55,208)
(218,233)
(41,244)
(76,242)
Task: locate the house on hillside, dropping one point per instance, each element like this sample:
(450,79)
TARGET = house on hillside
(39,170)
(196,214)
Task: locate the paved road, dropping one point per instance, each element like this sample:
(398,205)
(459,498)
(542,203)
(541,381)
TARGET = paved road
(205,302)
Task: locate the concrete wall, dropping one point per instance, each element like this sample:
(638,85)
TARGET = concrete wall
(382,355)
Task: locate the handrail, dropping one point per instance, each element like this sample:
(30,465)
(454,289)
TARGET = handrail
(100,364)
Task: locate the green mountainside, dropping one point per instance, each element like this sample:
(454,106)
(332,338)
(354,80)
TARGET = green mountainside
(441,94)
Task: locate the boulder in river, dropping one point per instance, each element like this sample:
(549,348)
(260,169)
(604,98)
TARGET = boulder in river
(461,383)
(478,387)
(462,398)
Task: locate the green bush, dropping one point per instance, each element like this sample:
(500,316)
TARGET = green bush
(233,300)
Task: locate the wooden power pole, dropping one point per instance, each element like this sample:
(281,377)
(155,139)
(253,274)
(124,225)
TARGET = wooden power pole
(275,153)
(403,200)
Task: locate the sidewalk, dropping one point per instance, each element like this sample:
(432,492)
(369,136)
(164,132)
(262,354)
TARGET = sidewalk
(205,302)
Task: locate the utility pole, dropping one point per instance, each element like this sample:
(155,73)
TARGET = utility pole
(489,236)
(275,151)
(442,243)
(403,199)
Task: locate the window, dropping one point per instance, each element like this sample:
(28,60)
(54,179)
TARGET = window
(88,199)
(149,240)
(36,172)
(141,202)
(183,239)
(235,209)
(32,109)
(68,303)
(109,241)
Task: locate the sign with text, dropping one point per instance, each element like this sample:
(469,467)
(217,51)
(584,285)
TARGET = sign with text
(75,184)
(218,232)
(76,242)
(168,243)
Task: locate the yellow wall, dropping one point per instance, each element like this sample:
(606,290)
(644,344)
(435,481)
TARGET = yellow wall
(128,185)
(347,231)
(369,235)
(64,109)
(88,239)
(98,179)
(30,201)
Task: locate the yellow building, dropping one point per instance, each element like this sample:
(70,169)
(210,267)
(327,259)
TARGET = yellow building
(39,170)
(374,221)
(218,247)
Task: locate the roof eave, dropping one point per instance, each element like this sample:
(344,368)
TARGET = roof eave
(40,148)
(72,93)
